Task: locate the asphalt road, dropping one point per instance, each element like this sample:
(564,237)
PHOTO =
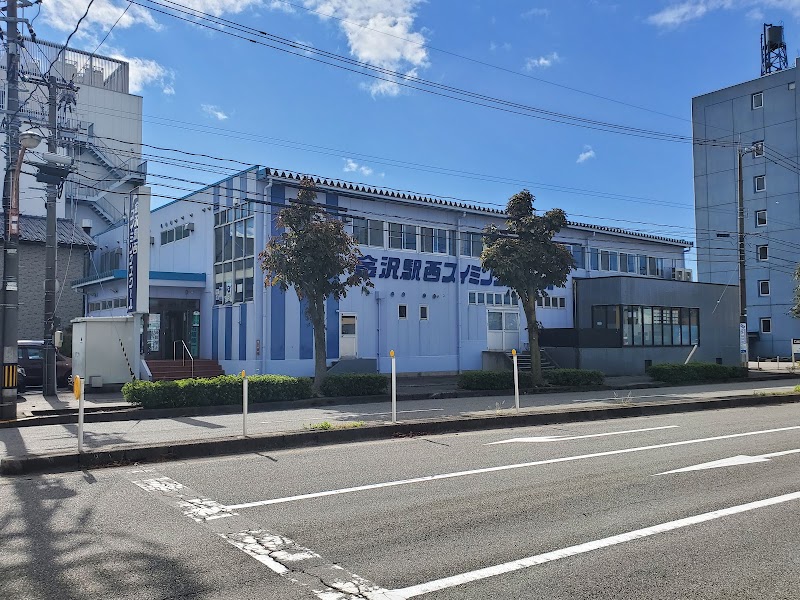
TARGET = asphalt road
(585,510)
(61,438)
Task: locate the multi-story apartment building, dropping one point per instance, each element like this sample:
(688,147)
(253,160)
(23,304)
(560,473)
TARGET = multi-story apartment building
(100,127)
(761,114)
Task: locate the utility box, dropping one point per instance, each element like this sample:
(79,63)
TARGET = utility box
(104,350)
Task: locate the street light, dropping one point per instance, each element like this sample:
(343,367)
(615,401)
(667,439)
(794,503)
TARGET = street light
(28,140)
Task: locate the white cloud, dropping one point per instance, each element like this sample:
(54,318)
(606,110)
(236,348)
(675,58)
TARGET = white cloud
(587,154)
(144,72)
(536,12)
(214,111)
(365,23)
(351,166)
(543,62)
(678,13)
(64,14)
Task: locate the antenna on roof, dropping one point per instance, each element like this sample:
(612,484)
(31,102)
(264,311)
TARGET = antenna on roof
(773,49)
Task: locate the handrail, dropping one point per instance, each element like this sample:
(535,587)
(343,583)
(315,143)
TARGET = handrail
(184,352)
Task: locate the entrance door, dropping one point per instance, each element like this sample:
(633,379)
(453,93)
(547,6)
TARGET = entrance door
(348,336)
(503,330)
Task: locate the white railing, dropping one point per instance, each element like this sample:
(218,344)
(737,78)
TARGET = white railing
(184,352)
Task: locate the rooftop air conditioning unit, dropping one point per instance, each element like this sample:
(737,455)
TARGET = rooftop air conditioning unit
(687,274)
(678,274)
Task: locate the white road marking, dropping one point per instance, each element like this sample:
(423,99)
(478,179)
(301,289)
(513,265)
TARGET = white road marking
(375,486)
(733,461)
(563,438)
(539,559)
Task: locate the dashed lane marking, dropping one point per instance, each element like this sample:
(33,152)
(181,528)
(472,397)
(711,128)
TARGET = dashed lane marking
(564,438)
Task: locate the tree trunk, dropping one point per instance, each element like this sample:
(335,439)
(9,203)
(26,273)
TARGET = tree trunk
(317,315)
(533,341)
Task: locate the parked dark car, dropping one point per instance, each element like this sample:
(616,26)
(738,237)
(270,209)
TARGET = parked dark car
(30,357)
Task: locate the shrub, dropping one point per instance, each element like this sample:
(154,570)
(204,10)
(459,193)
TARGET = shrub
(355,384)
(215,391)
(694,372)
(574,377)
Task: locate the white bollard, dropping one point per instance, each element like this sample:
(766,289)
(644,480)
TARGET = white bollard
(79,390)
(516,380)
(394,387)
(244,404)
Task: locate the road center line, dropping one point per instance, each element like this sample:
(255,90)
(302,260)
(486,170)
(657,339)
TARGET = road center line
(540,559)
(375,486)
(564,438)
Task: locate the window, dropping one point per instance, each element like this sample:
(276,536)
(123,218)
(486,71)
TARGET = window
(766,325)
(650,325)
(594,259)
(761,218)
(234,254)
(604,260)
(763,288)
(760,183)
(472,298)
(368,232)
(613,263)
(348,325)
(631,263)
(423,313)
(471,244)
(402,311)
(402,237)
(762,252)
(562,303)
(579,255)
(758,100)
(433,240)
(758,148)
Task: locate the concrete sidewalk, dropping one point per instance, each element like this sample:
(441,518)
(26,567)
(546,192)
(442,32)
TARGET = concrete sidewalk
(214,434)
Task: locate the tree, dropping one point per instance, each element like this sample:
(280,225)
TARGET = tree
(795,308)
(525,258)
(318,258)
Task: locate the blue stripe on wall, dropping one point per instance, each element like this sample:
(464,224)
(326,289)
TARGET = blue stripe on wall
(215,333)
(332,327)
(306,332)
(216,197)
(243,188)
(243,332)
(277,313)
(228,332)
(229,192)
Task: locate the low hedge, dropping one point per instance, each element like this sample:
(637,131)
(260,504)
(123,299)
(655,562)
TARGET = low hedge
(355,384)
(504,380)
(215,391)
(574,377)
(694,372)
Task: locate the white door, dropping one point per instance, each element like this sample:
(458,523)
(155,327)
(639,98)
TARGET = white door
(503,330)
(348,337)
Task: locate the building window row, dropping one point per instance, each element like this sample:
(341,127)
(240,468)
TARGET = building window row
(552,302)
(494,299)
(108,304)
(176,233)
(234,255)
(401,236)
(110,260)
(650,325)
(402,312)
(622,262)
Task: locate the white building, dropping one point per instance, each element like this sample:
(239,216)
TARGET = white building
(431,303)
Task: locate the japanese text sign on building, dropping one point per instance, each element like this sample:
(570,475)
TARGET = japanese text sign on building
(434,271)
(139,253)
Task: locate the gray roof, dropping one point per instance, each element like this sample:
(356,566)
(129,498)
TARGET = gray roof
(34,230)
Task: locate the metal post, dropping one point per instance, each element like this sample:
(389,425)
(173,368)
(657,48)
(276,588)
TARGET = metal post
(742,276)
(81,411)
(516,379)
(244,404)
(10,300)
(49,349)
(394,387)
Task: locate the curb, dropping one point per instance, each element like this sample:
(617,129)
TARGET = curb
(128,413)
(48,463)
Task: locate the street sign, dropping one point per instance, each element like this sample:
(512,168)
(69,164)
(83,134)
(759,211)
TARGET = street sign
(743,342)
(795,346)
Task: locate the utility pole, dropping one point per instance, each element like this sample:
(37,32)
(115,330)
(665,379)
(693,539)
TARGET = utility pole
(49,372)
(8,399)
(743,341)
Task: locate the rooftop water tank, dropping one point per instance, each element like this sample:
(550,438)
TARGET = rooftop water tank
(774,37)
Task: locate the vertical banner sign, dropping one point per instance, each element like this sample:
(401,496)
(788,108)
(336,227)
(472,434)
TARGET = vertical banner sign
(743,341)
(139,250)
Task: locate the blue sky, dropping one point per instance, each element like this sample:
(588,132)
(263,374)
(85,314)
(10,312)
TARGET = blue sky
(209,93)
